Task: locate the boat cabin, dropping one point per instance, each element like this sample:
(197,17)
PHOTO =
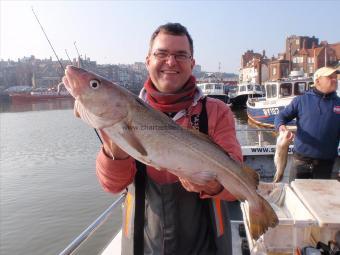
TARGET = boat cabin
(287,88)
(212,88)
(215,90)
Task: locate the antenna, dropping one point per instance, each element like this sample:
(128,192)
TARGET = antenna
(219,71)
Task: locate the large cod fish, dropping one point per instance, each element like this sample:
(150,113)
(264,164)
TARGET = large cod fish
(156,140)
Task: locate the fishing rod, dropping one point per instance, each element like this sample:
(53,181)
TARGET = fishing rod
(47,39)
(95,130)
(79,56)
(68,56)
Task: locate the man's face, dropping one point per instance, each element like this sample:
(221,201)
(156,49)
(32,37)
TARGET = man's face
(327,84)
(169,75)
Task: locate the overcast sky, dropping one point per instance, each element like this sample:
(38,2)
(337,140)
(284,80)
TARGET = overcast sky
(119,31)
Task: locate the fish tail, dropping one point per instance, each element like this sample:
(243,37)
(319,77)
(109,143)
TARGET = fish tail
(254,176)
(261,217)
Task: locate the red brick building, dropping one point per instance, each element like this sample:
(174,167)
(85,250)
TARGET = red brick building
(305,54)
(254,67)
(278,68)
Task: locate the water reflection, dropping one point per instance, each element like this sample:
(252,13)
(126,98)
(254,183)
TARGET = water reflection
(42,105)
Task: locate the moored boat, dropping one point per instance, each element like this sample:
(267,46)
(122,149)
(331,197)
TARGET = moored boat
(279,94)
(241,93)
(214,90)
(39,95)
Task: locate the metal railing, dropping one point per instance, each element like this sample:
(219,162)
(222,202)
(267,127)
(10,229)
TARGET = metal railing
(259,132)
(79,240)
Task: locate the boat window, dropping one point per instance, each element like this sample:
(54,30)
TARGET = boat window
(274,90)
(242,88)
(208,86)
(299,88)
(218,86)
(258,88)
(232,90)
(268,91)
(286,89)
(271,90)
(249,87)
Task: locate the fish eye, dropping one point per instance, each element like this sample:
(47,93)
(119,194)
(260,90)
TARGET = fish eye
(94,84)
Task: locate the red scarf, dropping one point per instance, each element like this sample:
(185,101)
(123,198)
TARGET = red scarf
(168,102)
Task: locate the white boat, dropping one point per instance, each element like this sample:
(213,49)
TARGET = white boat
(279,94)
(214,90)
(240,94)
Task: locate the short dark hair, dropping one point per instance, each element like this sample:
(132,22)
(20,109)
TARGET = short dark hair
(172,29)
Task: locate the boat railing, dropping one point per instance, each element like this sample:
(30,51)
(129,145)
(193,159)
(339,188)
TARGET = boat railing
(260,132)
(91,229)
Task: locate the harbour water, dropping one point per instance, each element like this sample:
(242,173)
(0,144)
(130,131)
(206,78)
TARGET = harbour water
(49,192)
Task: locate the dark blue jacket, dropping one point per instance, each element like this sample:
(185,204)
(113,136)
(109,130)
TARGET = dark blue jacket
(318,124)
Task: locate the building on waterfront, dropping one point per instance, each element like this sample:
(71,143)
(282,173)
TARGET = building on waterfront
(302,53)
(197,71)
(278,68)
(46,73)
(254,67)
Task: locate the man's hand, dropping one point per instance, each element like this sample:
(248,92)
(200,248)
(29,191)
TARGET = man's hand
(111,149)
(211,187)
(283,128)
(290,134)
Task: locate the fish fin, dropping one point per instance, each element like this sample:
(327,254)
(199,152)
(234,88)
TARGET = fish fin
(202,177)
(76,113)
(132,140)
(255,177)
(75,109)
(261,217)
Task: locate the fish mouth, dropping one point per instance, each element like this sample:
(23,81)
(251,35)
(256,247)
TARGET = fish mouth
(71,80)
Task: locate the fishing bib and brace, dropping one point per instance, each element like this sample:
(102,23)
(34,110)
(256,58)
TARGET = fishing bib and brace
(166,219)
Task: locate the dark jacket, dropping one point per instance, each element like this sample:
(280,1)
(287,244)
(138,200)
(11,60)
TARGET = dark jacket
(318,124)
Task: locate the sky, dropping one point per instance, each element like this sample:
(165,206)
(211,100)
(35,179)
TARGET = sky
(113,32)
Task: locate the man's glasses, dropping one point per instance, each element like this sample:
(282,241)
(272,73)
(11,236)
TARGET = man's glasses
(180,57)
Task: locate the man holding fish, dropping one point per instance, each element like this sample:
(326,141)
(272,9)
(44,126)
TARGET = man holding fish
(176,177)
(317,114)
(171,89)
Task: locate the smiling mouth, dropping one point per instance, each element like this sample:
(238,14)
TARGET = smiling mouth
(169,72)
